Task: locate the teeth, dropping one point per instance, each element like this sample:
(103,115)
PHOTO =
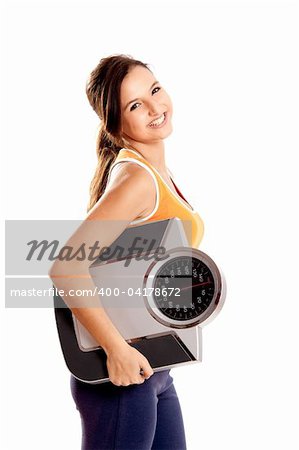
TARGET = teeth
(158,121)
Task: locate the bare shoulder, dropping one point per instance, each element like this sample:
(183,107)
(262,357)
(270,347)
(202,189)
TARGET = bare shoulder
(131,193)
(134,180)
(138,174)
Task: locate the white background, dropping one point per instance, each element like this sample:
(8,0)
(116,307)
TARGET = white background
(231,69)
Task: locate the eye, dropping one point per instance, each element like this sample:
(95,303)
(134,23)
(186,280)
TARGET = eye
(132,109)
(157,87)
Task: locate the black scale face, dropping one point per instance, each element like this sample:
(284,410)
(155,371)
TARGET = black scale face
(184,288)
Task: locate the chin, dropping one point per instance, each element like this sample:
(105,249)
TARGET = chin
(168,133)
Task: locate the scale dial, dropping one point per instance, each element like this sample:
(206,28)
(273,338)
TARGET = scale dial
(185,289)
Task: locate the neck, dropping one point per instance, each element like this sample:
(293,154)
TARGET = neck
(154,153)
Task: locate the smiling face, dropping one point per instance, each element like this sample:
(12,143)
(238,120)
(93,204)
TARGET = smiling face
(143,101)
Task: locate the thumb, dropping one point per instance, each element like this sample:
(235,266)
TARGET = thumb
(146,370)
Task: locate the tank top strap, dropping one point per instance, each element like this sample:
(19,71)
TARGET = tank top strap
(128,155)
(161,188)
(165,191)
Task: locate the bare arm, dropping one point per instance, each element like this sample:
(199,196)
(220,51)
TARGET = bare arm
(129,195)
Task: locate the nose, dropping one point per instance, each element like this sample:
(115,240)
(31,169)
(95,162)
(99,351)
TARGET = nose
(155,109)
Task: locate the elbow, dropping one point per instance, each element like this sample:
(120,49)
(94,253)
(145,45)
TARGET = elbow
(55,269)
(64,269)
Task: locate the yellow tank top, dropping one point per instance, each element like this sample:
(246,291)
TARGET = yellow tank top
(168,204)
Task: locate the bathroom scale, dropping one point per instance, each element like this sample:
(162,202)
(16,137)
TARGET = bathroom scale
(159,293)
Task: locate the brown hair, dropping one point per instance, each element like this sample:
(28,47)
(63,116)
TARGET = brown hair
(103,92)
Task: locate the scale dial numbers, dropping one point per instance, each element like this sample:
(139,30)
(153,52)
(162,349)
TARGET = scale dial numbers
(184,288)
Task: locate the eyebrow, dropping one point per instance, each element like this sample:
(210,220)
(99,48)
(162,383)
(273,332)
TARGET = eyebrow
(156,82)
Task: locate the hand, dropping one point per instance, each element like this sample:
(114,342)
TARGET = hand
(124,364)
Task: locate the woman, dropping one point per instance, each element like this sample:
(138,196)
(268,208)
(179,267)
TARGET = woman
(134,410)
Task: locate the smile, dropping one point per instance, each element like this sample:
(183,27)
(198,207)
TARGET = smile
(158,122)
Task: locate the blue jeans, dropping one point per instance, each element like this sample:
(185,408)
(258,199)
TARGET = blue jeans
(143,416)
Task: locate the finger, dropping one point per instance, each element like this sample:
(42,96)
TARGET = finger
(147,371)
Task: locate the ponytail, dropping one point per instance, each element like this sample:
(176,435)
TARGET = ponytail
(107,151)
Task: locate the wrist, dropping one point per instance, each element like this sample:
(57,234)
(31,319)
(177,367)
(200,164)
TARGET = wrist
(115,346)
